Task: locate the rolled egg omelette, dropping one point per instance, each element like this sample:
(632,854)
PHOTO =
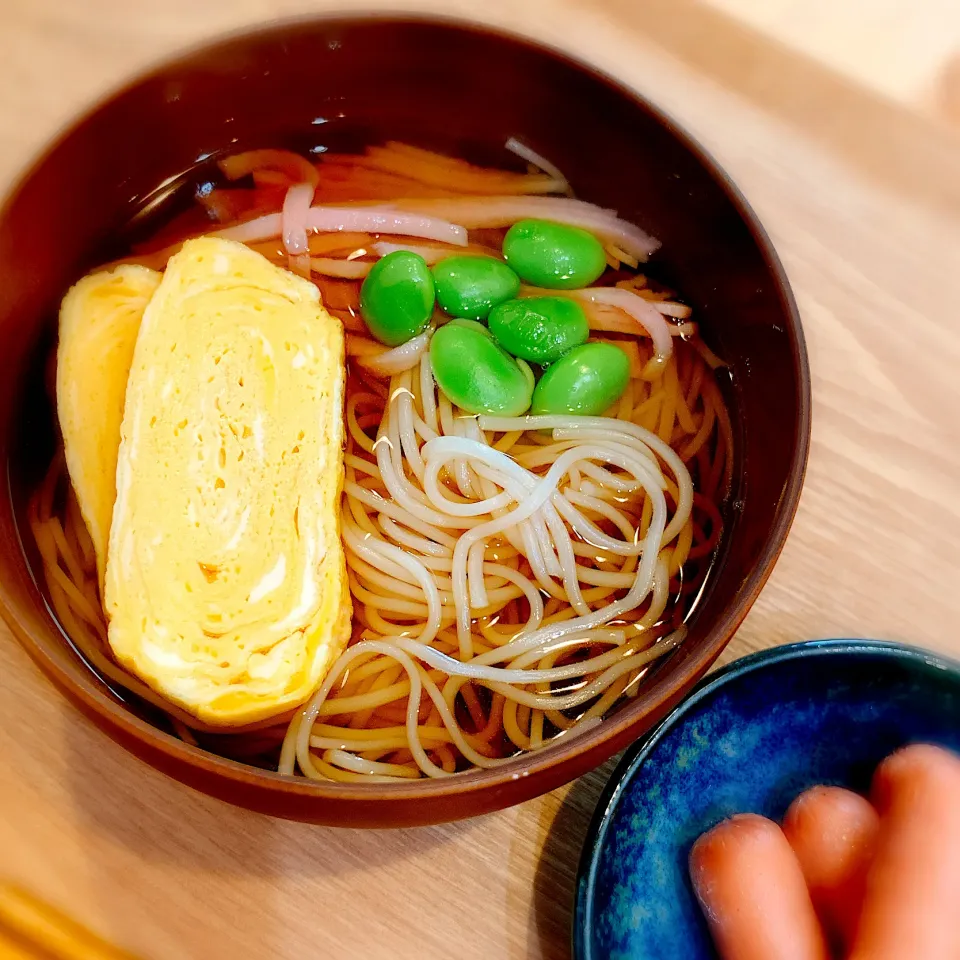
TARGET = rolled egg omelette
(224,581)
(99,321)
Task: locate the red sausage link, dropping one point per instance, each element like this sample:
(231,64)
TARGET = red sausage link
(753,894)
(912,903)
(833,832)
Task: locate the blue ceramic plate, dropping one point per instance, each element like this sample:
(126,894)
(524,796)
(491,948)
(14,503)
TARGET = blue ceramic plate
(750,738)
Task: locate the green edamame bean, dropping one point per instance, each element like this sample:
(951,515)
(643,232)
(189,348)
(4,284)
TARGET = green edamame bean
(539,329)
(553,255)
(397,297)
(470,286)
(476,374)
(586,381)
(473,325)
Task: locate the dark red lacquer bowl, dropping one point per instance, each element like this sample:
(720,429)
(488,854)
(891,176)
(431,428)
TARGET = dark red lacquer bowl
(342,82)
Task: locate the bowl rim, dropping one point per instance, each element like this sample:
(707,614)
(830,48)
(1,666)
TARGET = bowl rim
(615,730)
(595,839)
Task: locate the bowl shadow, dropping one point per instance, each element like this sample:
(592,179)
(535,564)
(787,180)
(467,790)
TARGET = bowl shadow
(554,884)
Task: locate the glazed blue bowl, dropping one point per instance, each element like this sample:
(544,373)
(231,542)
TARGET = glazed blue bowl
(750,738)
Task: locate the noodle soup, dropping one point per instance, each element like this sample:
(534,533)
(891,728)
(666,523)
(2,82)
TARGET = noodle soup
(517,558)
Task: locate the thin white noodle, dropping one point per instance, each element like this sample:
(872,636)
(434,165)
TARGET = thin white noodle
(531,156)
(427,507)
(348,761)
(663,450)
(595,687)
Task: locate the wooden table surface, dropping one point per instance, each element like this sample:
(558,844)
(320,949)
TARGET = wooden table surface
(851,157)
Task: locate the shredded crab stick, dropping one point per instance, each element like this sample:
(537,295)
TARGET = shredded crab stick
(753,894)
(386,362)
(648,318)
(617,310)
(293,220)
(640,285)
(481,212)
(434,255)
(912,900)
(833,832)
(343,269)
(360,219)
(295,169)
(607,319)
(459,176)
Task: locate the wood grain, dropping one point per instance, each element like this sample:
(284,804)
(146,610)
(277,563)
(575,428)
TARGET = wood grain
(862,198)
